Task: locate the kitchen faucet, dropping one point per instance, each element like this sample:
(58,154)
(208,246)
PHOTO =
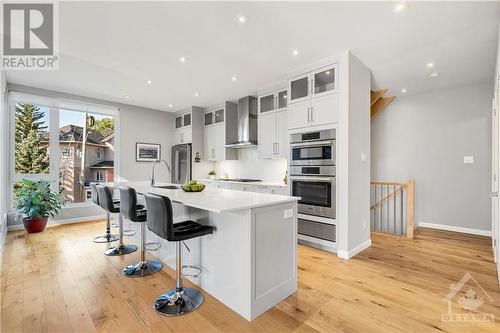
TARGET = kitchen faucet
(153,170)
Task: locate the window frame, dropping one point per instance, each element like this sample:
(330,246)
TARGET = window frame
(99,179)
(54,106)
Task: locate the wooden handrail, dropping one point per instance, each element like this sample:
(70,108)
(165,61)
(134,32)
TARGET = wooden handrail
(387,197)
(409,186)
(379,182)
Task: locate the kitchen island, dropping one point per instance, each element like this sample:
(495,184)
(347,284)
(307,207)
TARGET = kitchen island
(249,263)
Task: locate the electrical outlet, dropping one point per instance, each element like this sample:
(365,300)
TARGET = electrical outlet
(363,157)
(287,213)
(468,159)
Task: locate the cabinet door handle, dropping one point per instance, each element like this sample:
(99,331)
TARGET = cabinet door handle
(312,114)
(277,148)
(308,115)
(312,86)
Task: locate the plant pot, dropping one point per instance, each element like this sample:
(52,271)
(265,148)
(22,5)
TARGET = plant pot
(212,177)
(35,225)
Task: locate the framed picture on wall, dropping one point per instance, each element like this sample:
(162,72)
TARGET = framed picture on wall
(147,152)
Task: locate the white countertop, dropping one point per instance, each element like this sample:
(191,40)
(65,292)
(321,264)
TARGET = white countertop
(211,199)
(245,183)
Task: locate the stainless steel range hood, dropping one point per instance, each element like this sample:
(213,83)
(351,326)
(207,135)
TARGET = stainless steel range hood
(245,121)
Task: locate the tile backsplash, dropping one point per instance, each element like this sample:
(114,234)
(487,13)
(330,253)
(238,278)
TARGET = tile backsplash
(249,165)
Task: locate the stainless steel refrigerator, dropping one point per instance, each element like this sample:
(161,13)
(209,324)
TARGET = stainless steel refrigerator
(181,163)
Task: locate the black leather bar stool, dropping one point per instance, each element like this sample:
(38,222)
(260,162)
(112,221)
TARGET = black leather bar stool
(107,237)
(106,202)
(160,221)
(135,213)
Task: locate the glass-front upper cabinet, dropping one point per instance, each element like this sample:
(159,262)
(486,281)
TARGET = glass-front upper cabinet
(187,119)
(209,118)
(282,99)
(266,103)
(219,116)
(178,122)
(299,88)
(324,80)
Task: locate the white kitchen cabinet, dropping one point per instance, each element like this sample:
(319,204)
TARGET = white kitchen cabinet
(188,128)
(313,98)
(282,138)
(280,190)
(325,110)
(215,143)
(242,187)
(267,135)
(273,124)
(215,134)
(183,135)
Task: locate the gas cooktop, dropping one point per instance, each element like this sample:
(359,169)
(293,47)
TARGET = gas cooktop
(242,180)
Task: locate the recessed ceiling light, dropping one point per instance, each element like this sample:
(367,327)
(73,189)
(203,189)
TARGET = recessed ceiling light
(196,94)
(403,90)
(295,52)
(182,59)
(149,82)
(234,78)
(401,6)
(430,65)
(242,19)
(170,105)
(435,74)
(127,96)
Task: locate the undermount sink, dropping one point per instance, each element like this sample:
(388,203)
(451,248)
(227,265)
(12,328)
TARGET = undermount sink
(167,187)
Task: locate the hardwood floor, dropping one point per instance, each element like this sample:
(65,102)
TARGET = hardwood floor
(59,281)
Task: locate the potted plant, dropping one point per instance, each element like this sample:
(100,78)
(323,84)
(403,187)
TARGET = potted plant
(35,203)
(212,174)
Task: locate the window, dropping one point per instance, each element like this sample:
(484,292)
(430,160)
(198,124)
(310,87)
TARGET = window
(84,167)
(32,139)
(51,140)
(99,176)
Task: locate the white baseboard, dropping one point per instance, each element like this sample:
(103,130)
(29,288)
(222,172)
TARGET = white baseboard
(455,229)
(65,221)
(349,254)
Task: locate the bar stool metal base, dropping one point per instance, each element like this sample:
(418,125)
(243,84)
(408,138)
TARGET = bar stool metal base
(107,238)
(120,250)
(176,303)
(139,269)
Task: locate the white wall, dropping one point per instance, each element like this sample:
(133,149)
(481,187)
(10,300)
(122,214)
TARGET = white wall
(3,161)
(249,165)
(136,124)
(425,138)
(496,222)
(353,174)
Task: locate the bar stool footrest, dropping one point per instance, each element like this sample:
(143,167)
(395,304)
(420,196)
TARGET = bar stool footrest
(152,246)
(196,268)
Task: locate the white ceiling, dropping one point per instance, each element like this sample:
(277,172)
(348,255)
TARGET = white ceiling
(109,49)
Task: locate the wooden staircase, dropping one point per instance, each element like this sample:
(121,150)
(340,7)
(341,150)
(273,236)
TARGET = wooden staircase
(379,102)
